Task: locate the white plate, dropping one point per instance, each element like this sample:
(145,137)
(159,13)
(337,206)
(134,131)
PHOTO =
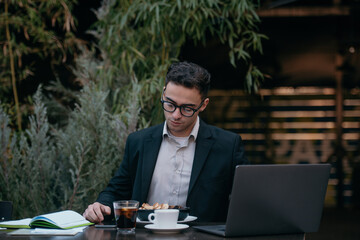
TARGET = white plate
(187,219)
(156,229)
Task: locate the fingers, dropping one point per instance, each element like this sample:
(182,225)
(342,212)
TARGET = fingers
(106,210)
(96,211)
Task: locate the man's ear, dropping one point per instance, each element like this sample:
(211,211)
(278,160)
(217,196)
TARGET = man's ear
(162,92)
(206,102)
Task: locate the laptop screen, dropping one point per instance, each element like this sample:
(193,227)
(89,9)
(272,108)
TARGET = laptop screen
(275,199)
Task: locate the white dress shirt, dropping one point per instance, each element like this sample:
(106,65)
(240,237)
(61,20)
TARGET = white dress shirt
(171,177)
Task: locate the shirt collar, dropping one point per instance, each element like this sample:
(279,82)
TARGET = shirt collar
(194,131)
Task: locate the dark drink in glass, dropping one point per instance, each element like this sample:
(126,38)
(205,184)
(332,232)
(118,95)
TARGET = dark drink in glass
(125,215)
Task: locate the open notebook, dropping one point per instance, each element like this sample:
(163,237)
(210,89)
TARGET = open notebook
(66,219)
(275,199)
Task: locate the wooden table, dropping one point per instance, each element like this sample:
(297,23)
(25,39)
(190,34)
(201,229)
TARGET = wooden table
(93,233)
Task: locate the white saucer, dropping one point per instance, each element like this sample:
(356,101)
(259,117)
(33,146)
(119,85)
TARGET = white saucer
(187,219)
(156,229)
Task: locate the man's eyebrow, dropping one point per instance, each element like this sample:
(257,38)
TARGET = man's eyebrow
(187,104)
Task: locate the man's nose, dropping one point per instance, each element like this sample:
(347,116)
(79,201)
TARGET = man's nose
(177,113)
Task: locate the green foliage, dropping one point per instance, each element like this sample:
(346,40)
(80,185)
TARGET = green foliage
(34,36)
(139,39)
(90,149)
(28,174)
(47,169)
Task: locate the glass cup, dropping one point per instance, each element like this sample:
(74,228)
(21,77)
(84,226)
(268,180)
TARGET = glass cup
(125,214)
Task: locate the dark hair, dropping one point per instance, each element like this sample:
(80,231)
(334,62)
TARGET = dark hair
(189,75)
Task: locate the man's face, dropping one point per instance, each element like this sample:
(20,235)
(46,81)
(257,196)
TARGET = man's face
(179,125)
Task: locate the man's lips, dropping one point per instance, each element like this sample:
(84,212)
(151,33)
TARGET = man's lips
(175,122)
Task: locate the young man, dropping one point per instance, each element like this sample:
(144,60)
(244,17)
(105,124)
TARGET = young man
(183,161)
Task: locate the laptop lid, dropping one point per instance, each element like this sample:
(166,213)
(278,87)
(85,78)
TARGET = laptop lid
(276,199)
(5,210)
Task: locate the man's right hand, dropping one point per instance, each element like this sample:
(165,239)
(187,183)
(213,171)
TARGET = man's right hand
(95,212)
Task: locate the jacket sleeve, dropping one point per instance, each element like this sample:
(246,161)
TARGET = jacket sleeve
(239,153)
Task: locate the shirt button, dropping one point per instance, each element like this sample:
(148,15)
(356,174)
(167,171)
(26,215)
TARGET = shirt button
(178,171)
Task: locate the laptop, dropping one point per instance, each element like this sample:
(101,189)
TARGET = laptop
(5,210)
(274,199)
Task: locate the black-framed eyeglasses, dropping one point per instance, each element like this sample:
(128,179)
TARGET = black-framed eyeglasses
(186,111)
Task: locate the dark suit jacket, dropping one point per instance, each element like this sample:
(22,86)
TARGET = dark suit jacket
(216,155)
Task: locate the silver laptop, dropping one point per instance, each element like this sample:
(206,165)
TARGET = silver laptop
(275,199)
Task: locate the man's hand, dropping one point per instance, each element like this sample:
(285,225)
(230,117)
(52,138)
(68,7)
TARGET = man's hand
(95,212)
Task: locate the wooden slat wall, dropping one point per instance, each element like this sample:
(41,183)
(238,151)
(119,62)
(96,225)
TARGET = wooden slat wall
(291,125)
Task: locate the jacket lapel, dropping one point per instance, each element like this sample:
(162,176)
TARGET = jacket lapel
(151,149)
(204,143)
